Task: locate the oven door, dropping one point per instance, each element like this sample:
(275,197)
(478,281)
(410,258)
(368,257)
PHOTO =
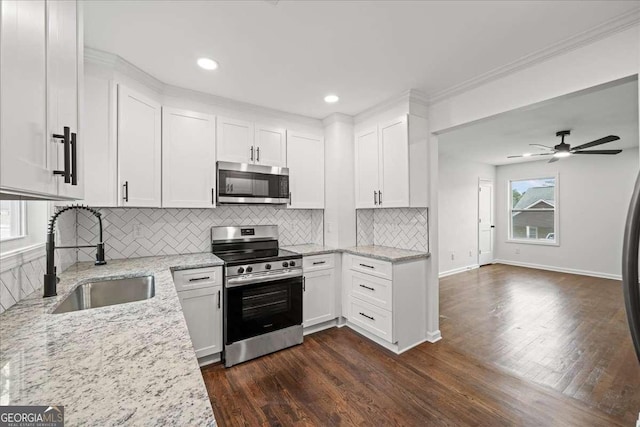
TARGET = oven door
(257,308)
(248,184)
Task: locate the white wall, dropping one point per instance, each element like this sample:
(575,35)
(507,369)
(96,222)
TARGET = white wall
(458,211)
(594,194)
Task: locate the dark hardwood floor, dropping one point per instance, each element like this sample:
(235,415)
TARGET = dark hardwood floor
(520,347)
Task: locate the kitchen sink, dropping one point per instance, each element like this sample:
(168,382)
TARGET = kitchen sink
(107,292)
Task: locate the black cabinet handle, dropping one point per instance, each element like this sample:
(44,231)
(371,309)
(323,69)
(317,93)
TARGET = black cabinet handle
(375,197)
(74,159)
(367,287)
(252,153)
(196,279)
(213,196)
(304,284)
(289,197)
(493,226)
(219,299)
(380,197)
(319,262)
(258,154)
(368,266)
(65,137)
(368,317)
(126,191)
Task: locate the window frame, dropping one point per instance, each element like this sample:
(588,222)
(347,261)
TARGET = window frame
(21,222)
(556,212)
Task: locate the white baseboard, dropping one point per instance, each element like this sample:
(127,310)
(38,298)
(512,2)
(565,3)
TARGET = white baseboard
(458,270)
(434,336)
(559,269)
(208,360)
(320,327)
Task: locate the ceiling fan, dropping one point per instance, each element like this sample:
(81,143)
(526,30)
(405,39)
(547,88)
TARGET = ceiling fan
(564,150)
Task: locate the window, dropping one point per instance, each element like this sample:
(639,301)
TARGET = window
(533,210)
(12,220)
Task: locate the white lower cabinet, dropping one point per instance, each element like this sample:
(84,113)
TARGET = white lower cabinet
(318,300)
(202,307)
(386,300)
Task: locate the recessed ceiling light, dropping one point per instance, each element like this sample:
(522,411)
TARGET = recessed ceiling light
(560,154)
(330,99)
(207,63)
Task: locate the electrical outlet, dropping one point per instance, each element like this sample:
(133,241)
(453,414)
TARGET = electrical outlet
(517,251)
(138,231)
(470,253)
(453,256)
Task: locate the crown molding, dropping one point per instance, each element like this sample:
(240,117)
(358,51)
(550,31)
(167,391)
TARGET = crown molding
(337,118)
(599,32)
(408,97)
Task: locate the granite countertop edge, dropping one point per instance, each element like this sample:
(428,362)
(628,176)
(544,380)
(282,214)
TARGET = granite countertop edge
(383,253)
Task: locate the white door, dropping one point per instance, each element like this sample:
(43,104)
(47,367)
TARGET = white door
(367,163)
(305,158)
(62,89)
(202,309)
(270,146)
(139,149)
(188,159)
(319,297)
(394,164)
(485,222)
(27,158)
(235,141)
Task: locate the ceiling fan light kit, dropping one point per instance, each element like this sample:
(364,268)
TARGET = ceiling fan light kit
(564,150)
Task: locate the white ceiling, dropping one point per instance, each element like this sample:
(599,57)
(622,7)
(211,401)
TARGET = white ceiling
(589,116)
(290,54)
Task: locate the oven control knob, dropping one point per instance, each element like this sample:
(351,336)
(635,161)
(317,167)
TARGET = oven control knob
(268,266)
(240,270)
(249,269)
(292,263)
(285,264)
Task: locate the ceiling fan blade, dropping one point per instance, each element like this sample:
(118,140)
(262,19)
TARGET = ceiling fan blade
(598,152)
(600,141)
(541,146)
(514,157)
(530,155)
(553,159)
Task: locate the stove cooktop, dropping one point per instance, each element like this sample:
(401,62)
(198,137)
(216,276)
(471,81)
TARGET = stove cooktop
(243,258)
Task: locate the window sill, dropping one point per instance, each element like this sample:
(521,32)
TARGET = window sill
(10,239)
(534,242)
(15,258)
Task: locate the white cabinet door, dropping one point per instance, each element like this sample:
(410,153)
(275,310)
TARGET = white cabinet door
(305,160)
(318,297)
(188,159)
(202,309)
(270,146)
(26,155)
(139,149)
(62,90)
(367,163)
(235,141)
(394,164)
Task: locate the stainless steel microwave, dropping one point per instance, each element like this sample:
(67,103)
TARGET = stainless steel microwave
(243,183)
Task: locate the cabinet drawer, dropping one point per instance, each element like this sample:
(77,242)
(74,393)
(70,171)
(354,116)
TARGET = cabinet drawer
(371,266)
(371,318)
(371,289)
(197,278)
(317,262)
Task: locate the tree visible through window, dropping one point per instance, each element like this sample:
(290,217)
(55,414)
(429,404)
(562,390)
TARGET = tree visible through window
(12,219)
(533,210)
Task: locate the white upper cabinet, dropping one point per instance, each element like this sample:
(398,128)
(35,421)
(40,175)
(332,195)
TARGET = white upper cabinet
(235,141)
(246,142)
(305,159)
(392,164)
(39,84)
(139,149)
(270,146)
(188,159)
(367,165)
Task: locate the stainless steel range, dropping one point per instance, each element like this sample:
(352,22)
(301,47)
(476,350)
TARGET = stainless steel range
(262,292)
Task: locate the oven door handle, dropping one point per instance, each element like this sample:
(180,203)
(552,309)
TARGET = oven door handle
(262,278)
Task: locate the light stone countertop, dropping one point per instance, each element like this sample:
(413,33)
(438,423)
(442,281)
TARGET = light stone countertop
(127,364)
(383,253)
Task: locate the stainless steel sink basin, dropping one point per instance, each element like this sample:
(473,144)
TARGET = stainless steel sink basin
(108,292)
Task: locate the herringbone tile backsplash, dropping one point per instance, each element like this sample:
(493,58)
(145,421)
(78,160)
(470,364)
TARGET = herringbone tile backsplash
(404,228)
(133,232)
